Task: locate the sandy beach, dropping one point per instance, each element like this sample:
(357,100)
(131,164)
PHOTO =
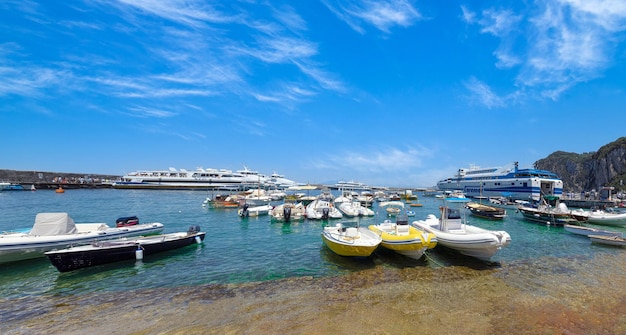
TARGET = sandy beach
(518,298)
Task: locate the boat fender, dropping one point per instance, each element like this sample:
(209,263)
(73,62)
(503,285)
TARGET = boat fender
(139,253)
(198,239)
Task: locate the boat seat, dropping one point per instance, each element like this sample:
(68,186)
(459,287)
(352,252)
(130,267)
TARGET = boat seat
(454,225)
(352,232)
(456,231)
(402,229)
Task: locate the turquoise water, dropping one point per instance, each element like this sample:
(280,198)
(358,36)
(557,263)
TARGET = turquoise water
(237,250)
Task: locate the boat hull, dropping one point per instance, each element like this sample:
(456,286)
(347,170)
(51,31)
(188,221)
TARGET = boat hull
(486,212)
(547,218)
(608,240)
(515,183)
(471,241)
(254,211)
(19,247)
(412,245)
(114,251)
(586,231)
(607,219)
(361,244)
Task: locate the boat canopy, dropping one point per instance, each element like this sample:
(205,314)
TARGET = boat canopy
(49,224)
(392,203)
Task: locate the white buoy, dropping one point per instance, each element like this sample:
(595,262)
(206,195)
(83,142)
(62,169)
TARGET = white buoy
(198,239)
(139,254)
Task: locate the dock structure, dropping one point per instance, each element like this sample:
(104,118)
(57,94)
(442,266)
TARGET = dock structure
(53,180)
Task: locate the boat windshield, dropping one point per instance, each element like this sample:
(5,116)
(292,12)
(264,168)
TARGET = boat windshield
(453,213)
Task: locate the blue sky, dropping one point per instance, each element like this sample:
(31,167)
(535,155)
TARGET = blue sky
(395,93)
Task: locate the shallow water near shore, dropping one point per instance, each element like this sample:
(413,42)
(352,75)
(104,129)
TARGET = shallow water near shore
(254,276)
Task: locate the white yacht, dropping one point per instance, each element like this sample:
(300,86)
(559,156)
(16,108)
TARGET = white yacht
(200,178)
(351,185)
(279,181)
(182,179)
(252,176)
(510,181)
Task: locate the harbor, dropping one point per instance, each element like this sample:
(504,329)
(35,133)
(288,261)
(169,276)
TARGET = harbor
(280,277)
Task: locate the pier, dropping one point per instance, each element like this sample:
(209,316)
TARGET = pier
(42,180)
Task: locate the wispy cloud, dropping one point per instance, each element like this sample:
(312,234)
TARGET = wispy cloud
(30,81)
(553,47)
(146,112)
(483,94)
(499,22)
(570,46)
(382,14)
(203,50)
(186,12)
(378,160)
(467,15)
(290,18)
(280,49)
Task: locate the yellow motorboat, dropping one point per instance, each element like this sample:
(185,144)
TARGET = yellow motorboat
(350,241)
(404,239)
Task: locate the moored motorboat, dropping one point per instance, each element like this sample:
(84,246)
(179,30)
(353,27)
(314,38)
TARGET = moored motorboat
(288,212)
(248,211)
(609,240)
(404,239)
(255,198)
(545,213)
(58,231)
(453,232)
(486,211)
(350,241)
(354,208)
(5,186)
(392,208)
(586,231)
(221,201)
(103,252)
(322,209)
(608,217)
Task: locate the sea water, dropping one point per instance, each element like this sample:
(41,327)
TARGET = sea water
(243,250)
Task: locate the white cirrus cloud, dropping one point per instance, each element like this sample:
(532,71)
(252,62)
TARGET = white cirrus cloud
(382,14)
(552,46)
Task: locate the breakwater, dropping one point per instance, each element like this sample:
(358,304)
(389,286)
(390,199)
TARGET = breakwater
(52,180)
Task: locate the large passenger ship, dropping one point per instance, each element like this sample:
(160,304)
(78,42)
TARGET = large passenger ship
(203,179)
(510,181)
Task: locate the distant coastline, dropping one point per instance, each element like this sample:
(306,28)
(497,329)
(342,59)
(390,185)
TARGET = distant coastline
(52,180)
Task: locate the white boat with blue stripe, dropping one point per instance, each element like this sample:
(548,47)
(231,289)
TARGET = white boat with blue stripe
(510,182)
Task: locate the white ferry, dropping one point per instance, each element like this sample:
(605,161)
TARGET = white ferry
(200,178)
(509,181)
(351,185)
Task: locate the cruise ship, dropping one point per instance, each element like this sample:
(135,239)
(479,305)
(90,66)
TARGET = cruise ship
(202,179)
(510,181)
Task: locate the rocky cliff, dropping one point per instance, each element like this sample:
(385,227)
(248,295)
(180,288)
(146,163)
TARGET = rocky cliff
(591,170)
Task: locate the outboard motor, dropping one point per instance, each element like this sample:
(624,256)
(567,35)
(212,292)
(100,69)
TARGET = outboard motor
(287,213)
(193,229)
(325,213)
(244,211)
(127,221)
